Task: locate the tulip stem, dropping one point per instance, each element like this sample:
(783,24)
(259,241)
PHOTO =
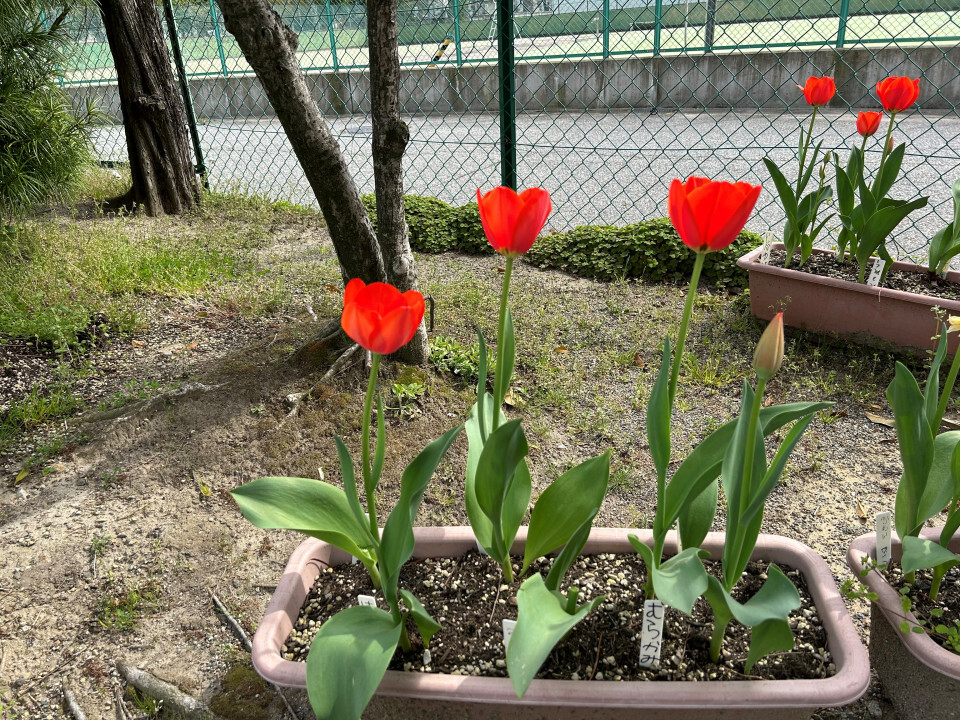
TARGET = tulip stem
(369,482)
(684,323)
(947,391)
(804,149)
(500,383)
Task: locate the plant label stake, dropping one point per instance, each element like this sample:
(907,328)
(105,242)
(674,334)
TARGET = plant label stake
(876,270)
(767,247)
(883,537)
(651,637)
(508,626)
(367,600)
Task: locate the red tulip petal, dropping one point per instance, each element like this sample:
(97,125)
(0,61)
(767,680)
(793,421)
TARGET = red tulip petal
(745,198)
(533,215)
(680,213)
(499,210)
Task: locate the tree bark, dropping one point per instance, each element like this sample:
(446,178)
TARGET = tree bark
(154,121)
(390,138)
(270,48)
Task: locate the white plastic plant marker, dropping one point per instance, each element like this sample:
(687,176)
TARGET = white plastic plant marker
(367,600)
(767,247)
(884,537)
(651,637)
(508,626)
(873,280)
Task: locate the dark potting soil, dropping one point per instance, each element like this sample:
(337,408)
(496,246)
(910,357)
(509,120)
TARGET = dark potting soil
(828,266)
(948,601)
(467,597)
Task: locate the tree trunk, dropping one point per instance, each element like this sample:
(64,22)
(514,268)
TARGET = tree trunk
(390,137)
(270,48)
(154,121)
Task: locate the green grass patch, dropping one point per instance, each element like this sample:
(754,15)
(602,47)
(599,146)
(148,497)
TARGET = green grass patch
(123,610)
(33,410)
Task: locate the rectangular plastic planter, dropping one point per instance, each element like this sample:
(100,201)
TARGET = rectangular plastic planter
(920,678)
(823,304)
(421,695)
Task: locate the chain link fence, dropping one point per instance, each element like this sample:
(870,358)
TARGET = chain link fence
(614,98)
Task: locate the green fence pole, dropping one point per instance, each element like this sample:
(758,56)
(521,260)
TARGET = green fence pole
(456,30)
(508,101)
(216,31)
(842,28)
(657,22)
(708,30)
(333,40)
(606,28)
(185,91)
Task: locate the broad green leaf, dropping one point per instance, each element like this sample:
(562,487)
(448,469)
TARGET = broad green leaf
(920,554)
(804,178)
(347,661)
(308,506)
(427,626)
(702,465)
(515,503)
(696,517)
(542,621)
(787,197)
(881,223)
(350,485)
(931,391)
(939,487)
(484,418)
(759,497)
(679,580)
(505,448)
(658,416)
(509,353)
(845,196)
(889,172)
(916,446)
(768,637)
(564,506)
(380,448)
(476,437)
(570,552)
(396,545)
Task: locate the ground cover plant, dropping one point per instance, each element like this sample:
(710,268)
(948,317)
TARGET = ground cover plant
(122,496)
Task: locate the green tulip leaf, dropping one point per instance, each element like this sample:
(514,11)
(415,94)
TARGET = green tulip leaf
(426,625)
(350,486)
(570,553)
(497,470)
(658,416)
(768,637)
(696,517)
(679,580)
(787,198)
(509,350)
(347,661)
(568,502)
(483,418)
(888,174)
(380,447)
(938,490)
(916,447)
(931,391)
(476,437)
(396,545)
(308,506)
(920,554)
(542,621)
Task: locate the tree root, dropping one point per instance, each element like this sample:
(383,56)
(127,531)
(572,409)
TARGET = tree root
(71,704)
(296,400)
(171,696)
(330,339)
(127,411)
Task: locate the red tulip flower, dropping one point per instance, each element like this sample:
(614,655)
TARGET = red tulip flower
(709,214)
(378,317)
(868,123)
(898,93)
(818,91)
(511,221)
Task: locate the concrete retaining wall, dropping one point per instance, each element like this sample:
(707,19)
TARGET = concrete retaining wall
(748,80)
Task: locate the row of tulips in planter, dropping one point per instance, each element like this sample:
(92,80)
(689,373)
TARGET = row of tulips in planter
(352,650)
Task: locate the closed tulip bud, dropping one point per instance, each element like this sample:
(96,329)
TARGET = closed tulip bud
(890,145)
(953,324)
(769,353)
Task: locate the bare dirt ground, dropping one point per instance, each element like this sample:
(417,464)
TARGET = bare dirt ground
(138,503)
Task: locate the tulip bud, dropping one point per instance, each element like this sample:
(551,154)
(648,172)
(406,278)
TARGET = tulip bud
(953,323)
(769,353)
(890,145)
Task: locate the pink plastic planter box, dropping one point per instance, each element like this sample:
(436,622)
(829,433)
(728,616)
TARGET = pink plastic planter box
(921,678)
(823,304)
(421,695)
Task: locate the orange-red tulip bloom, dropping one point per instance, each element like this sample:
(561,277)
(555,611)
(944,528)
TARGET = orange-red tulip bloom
(378,317)
(709,214)
(511,221)
(898,93)
(868,122)
(818,91)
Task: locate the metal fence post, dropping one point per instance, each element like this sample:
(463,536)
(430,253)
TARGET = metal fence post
(456,31)
(216,31)
(185,91)
(606,28)
(842,27)
(508,101)
(657,22)
(708,29)
(333,40)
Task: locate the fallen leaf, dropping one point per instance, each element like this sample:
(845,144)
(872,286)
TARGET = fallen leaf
(873,407)
(192,346)
(138,343)
(501,270)
(21,475)
(861,513)
(951,423)
(880,420)
(330,287)
(639,361)
(512,399)
(561,349)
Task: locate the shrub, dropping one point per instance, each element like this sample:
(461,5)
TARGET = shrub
(650,250)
